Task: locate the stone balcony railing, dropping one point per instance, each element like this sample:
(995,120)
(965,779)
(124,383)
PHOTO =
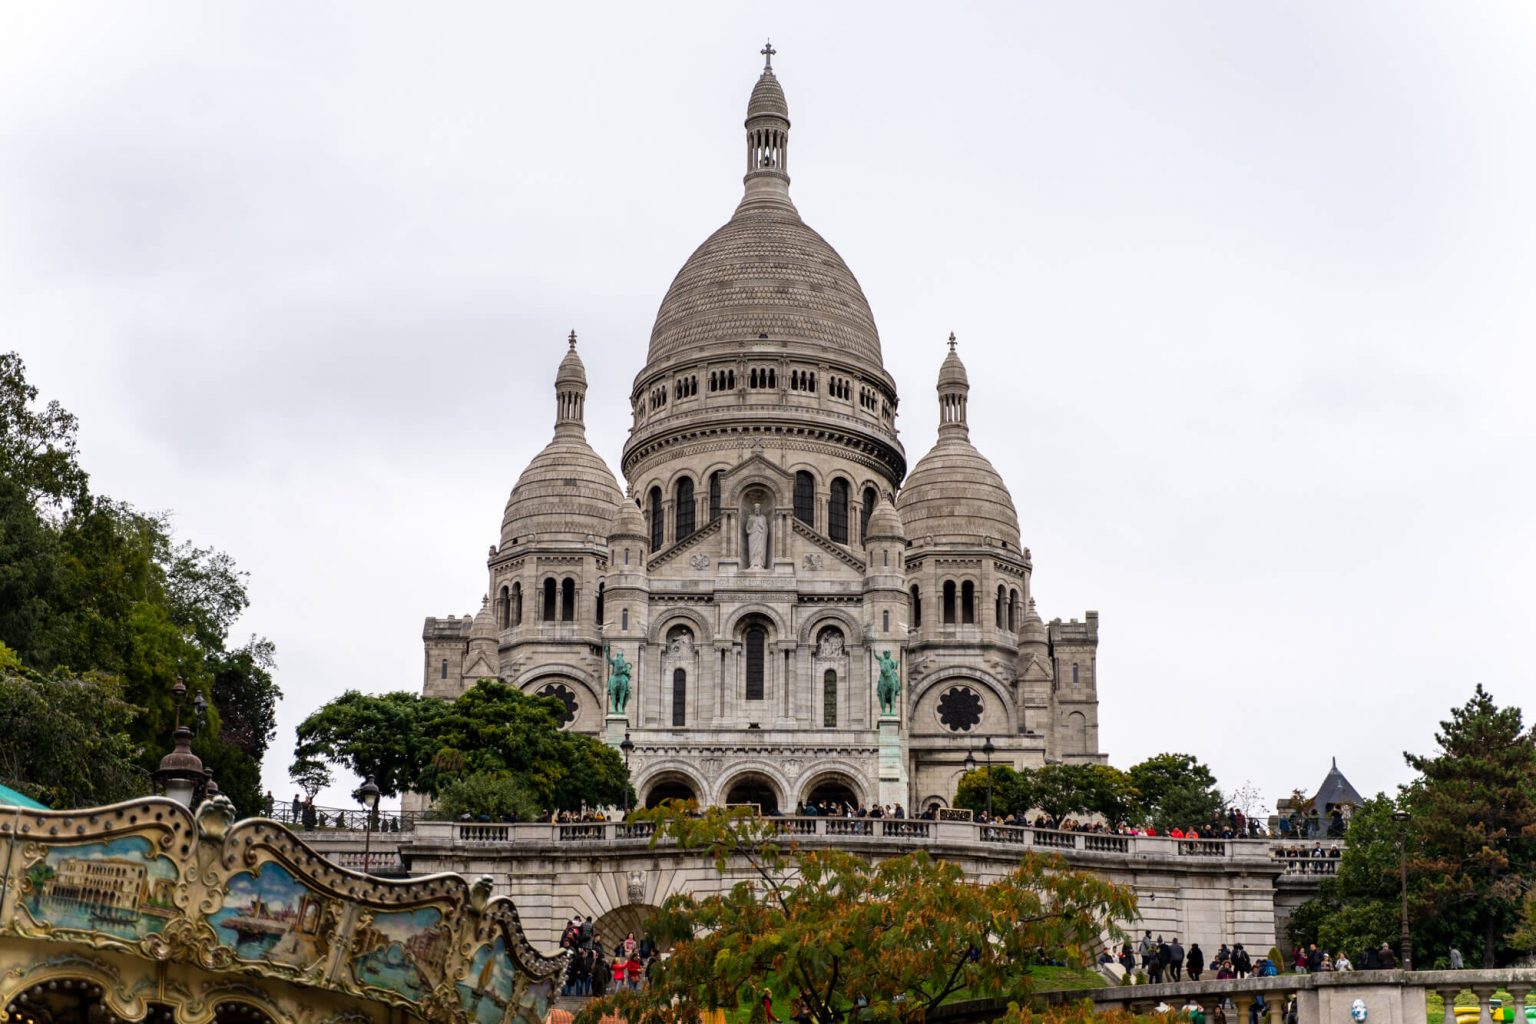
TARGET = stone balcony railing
(391,851)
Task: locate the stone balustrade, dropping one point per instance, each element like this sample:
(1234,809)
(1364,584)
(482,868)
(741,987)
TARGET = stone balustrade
(1388,997)
(902,832)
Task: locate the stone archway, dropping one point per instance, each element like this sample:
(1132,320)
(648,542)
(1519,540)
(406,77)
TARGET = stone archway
(620,921)
(669,786)
(753,788)
(836,790)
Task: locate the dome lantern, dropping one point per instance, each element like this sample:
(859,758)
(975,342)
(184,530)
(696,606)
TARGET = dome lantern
(767,127)
(954,386)
(571,392)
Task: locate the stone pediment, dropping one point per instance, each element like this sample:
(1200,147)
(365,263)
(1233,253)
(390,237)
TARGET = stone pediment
(1034,669)
(479,667)
(757,465)
(688,556)
(830,554)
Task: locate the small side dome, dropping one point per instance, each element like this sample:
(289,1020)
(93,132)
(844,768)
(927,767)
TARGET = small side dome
(567,493)
(885,522)
(768,98)
(952,370)
(1032,630)
(484,626)
(628,521)
(572,371)
(954,495)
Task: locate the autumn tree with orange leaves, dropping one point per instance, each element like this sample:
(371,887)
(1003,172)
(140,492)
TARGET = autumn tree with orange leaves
(884,941)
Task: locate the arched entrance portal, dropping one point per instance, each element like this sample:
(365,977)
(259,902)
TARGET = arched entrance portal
(754,789)
(670,787)
(614,926)
(832,794)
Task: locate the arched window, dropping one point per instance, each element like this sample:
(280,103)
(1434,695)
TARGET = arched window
(568,600)
(549,600)
(865,512)
(917,606)
(837,511)
(968,603)
(445,668)
(599,604)
(1013,611)
(885,620)
(714,495)
(1074,672)
(757,644)
(624,619)
(656,519)
(1002,600)
(949,602)
(683,509)
(679,698)
(517,604)
(504,608)
(829,699)
(805,498)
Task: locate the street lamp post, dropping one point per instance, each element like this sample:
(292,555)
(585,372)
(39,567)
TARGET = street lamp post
(628,747)
(1401,817)
(181,772)
(368,796)
(970,762)
(988,749)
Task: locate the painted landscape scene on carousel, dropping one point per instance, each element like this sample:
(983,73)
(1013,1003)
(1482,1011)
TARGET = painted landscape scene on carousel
(270,915)
(119,887)
(487,990)
(402,951)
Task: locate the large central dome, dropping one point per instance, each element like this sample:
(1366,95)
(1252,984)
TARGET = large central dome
(765,273)
(765,331)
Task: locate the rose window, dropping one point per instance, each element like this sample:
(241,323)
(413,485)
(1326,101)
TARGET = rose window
(960,709)
(566,697)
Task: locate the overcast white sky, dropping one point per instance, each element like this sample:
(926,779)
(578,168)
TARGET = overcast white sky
(1247,294)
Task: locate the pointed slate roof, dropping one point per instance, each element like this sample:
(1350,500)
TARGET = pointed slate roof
(1336,790)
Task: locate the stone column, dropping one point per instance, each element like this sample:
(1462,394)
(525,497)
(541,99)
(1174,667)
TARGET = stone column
(1484,993)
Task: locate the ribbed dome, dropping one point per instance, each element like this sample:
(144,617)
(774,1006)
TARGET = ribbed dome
(567,492)
(767,98)
(952,370)
(954,494)
(766,273)
(484,625)
(884,521)
(572,371)
(628,521)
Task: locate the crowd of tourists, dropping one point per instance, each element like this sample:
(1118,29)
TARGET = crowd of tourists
(596,970)
(1168,960)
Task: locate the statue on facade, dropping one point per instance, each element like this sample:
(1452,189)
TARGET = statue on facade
(890,683)
(618,681)
(757,538)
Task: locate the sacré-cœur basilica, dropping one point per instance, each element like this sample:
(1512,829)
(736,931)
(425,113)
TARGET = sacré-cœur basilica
(778,611)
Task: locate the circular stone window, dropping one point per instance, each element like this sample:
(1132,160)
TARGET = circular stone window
(960,709)
(566,697)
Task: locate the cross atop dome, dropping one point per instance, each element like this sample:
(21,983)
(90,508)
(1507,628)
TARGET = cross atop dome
(768,51)
(572,339)
(951,340)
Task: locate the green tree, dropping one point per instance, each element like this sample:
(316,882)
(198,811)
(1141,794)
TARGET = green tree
(1013,791)
(902,935)
(1175,790)
(405,741)
(91,588)
(1357,908)
(489,794)
(1474,821)
(66,739)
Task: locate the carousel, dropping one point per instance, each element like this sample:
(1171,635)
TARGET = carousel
(147,911)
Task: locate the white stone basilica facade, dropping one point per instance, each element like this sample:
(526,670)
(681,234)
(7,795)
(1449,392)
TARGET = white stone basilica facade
(773,548)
